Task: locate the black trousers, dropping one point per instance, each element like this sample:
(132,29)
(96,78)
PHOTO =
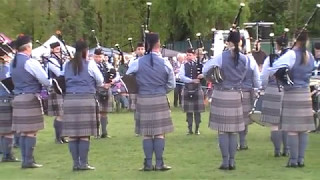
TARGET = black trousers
(177,95)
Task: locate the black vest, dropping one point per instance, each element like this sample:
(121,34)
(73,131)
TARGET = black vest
(190,70)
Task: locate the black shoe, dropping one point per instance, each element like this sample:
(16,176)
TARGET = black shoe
(232,167)
(301,164)
(86,167)
(16,145)
(64,140)
(163,168)
(75,168)
(147,168)
(285,154)
(243,148)
(189,133)
(277,154)
(292,165)
(10,159)
(32,165)
(105,136)
(59,141)
(197,132)
(222,167)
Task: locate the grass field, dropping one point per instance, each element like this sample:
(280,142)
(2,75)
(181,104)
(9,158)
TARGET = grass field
(192,157)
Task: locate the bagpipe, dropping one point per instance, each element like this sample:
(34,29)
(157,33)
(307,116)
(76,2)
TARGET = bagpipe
(282,74)
(215,74)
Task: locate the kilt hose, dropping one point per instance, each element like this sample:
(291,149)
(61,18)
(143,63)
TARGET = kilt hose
(271,105)
(105,101)
(153,116)
(55,104)
(297,114)
(27,113)
(247,105)
(5,115)
(132,101)
(192,98)
(226,111)
(81,115)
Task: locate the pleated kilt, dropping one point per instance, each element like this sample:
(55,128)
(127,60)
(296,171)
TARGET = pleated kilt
(55,104)
(105,104)
(81,115)
(5,115)
(226,112)
(132,101)
(297,112)
(27,113)
(247,105)
(271,105)
(153,116)
(196,104)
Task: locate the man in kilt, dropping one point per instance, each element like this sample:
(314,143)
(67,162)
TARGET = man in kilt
(105,96)
(297,114)
(80,108)
(192,93)
(227,111)
(6,133)
(155,78)
(27,75)
(249,87)
(140,50)
(55,100)
(272,101)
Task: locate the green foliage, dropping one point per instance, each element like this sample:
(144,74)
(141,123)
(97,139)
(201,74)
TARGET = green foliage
(116,20)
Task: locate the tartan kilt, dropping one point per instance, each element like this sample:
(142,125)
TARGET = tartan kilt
(5,115)
(81,115)
(271,105)
(226,111)
(153,115)
(55,104)
(297,114)
(105,104)
(247,105)
(196,104)
(132,101)
(27,113)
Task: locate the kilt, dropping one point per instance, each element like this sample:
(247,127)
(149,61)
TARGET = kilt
(55,104)
(5,115)
(132,101)
(226,112)
(297,112)
(27,113)
(196,103)
(271,105)
(153,116)
(81,115)
(105,104)
(247,105)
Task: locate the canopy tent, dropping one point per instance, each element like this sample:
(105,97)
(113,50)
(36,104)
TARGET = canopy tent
(44,49)
(169,53)
(4,38)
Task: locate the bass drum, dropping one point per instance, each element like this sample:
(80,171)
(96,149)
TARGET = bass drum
(255,114)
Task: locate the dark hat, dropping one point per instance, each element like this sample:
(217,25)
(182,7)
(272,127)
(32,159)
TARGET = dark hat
(22,40)
(152,39)
(234,37)
(190,50)
(98,51)
(317,45)
(282,40)
(140,44)
(81,45)
(54,45)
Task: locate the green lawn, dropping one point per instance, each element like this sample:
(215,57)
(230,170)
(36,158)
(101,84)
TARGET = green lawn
(192,157)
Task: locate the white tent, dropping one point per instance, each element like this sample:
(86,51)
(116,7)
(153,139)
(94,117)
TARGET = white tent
(44,49)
